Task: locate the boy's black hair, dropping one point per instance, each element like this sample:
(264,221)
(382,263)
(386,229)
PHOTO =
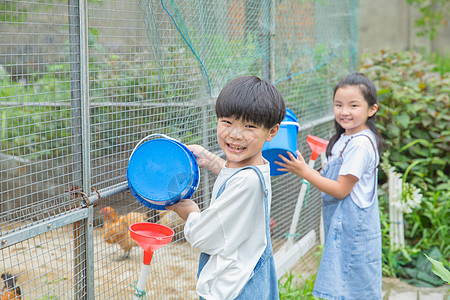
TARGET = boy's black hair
(251,99)
(369,93)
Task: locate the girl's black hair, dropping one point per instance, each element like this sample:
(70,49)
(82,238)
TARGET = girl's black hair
(251,99)
(369,93)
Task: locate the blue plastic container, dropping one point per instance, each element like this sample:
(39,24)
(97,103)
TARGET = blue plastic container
(285,140)
(161,172)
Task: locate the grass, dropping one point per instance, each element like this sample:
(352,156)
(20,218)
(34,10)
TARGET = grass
(296,287)
(441,62)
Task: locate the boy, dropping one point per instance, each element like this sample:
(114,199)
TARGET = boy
(233,232)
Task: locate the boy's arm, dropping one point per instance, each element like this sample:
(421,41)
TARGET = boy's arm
(230,220)
(183,208)
(207,159)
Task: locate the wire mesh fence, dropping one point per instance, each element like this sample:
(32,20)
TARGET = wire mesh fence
(82,82)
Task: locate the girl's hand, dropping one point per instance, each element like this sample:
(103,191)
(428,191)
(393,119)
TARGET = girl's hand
(296,166)
(206,158)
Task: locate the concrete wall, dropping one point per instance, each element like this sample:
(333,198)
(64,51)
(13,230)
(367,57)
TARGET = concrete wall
(390,24)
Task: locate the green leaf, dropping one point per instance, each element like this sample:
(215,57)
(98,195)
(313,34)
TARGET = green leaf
(403,120)
(383,91)
(439,269)
(395,131)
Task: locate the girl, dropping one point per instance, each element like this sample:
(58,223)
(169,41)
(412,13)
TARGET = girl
(350,267)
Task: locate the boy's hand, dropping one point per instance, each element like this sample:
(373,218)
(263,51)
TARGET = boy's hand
(183,208)
(206,158)
(202,155)
(297,166)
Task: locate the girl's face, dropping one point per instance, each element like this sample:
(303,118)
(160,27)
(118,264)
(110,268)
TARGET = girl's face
(242,141)
(351,110)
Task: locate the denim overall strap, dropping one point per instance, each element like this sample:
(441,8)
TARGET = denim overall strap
(260,176)
(374,150)
(370,140)
(263,283)
(350,267)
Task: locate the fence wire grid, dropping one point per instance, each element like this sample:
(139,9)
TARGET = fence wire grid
(82,82)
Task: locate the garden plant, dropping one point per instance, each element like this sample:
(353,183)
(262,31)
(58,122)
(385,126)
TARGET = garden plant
(413,119)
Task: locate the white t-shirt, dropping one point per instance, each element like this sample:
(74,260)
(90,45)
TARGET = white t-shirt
(359,160)
(232,231)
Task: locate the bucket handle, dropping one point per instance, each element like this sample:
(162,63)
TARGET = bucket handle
(290,123)
(161,135)
(296,124)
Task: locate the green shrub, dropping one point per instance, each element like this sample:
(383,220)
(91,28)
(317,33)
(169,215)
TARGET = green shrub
(441,62)
(413,119)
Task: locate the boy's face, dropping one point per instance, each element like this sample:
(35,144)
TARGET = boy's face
(242,141)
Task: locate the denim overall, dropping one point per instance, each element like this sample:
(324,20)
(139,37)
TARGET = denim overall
(350,267)
(263,284)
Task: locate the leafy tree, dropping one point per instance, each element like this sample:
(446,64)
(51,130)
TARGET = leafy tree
(434,14)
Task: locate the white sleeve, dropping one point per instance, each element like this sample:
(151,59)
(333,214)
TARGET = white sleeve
(229,221)
(358,158)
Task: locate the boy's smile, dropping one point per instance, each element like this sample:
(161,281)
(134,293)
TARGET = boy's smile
(242,141)
(235,147)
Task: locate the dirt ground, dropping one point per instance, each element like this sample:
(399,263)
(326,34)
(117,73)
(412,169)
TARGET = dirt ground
(44,267)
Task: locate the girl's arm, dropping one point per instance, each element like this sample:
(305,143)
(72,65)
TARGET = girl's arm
(338,189)
(207,159)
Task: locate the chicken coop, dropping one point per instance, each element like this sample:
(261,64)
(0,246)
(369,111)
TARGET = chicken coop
(82,82)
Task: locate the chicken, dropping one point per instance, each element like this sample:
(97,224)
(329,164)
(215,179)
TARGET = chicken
(170,219)
(10,290)
(116,229)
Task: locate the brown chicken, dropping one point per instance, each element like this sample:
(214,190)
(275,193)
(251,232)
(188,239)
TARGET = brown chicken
(172,220)
(116,229)
(10,291)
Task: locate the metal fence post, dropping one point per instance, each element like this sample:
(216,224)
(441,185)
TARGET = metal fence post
(268,33)
(79,81)
(354,29)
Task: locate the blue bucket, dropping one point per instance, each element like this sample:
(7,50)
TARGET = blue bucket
(285,140)
(161,172)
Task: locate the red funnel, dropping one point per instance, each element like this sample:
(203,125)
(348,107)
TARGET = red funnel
(150,237)
(317,145)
